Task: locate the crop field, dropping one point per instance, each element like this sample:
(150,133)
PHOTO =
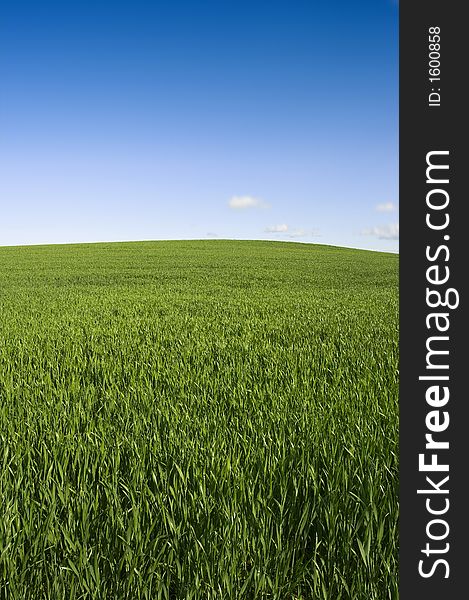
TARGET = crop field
(198,420)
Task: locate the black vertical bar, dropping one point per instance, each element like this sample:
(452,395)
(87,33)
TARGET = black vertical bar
(433,123)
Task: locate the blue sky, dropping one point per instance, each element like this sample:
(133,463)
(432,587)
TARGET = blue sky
(173,120)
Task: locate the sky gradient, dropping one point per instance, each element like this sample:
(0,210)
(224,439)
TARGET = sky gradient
(151,120)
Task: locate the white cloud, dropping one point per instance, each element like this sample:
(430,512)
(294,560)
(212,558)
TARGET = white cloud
(242,202)
(297,233)
(386,207)
(384,232)
(277,228)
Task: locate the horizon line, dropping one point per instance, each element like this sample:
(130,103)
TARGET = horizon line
(208,239)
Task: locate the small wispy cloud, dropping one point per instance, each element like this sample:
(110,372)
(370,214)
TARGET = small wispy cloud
(384,232)
(211,234)
(276,228)
(298,233)
(386,207)
(243,202)
(295,232)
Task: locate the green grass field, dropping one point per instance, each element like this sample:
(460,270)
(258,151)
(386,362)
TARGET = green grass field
(200,420)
